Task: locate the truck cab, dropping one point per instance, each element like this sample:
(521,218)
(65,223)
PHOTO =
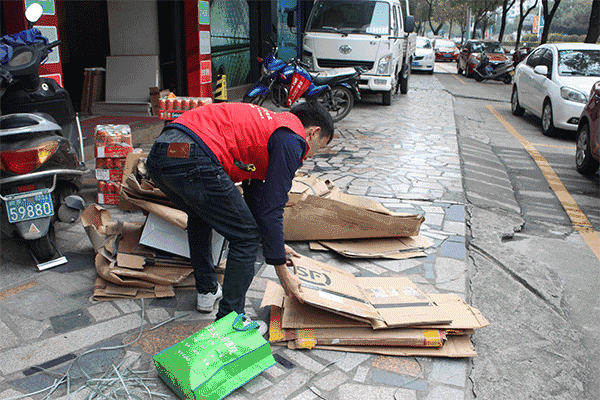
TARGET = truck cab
(374,34)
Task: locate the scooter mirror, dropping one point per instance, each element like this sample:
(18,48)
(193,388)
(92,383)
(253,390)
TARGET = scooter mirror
(34,13)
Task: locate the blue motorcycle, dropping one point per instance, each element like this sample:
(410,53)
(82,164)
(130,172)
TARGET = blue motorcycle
(286,82)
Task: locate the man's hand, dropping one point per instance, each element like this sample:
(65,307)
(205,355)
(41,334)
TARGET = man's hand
(289,252)
(290,282)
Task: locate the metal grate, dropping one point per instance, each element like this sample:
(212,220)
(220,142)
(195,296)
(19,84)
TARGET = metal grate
(328,63)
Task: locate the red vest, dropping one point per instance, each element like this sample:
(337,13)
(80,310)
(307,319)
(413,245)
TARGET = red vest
(239,132)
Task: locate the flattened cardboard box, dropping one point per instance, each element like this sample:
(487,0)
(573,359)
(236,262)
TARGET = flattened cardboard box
(455,347)
(465,319)
(121,274)
(397,248)
(316,218)
(384,302)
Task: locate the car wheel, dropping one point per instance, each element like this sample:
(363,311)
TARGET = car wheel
(586,165)
(459,70)
(515,107)
(430,72)
(548,128)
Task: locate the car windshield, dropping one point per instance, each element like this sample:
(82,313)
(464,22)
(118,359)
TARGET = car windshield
(579,62)
(346,16)
(423,43)
(488,47)
(444,43)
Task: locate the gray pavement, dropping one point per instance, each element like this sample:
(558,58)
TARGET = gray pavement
(405,156)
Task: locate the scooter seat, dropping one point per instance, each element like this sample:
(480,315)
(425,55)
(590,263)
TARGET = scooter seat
(323,77)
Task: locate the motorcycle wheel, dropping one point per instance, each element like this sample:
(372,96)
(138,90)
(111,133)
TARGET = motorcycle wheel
(279,94)
(507,79)
(343,101)
(42,248)
(258,100)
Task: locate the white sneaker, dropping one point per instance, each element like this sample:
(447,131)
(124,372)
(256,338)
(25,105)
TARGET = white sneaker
(206,302)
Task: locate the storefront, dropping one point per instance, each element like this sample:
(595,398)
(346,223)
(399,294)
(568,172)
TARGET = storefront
(187,40)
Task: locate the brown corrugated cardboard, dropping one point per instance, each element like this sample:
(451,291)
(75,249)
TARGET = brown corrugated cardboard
(464,317)
(401,303)
(385,302)
(403,337)
(298,316)
(455,347)
(335,290)
(104,290)
(316,218)
(318,210)
(398,248)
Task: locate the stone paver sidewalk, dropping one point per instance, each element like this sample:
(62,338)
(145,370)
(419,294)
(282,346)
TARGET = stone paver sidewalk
(404,156)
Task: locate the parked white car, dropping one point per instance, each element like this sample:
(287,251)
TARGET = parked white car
(554,83)
(424,55)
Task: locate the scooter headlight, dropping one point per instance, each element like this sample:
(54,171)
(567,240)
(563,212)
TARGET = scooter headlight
(23,161)
(385,65)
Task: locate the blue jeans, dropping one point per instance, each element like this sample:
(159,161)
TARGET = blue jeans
(199,186)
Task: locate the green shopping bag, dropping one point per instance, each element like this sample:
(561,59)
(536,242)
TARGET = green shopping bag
(216,360)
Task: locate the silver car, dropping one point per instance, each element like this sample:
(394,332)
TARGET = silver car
(554,83)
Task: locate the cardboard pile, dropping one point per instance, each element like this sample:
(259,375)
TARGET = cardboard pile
(353,226)
(382,315)
(127,269)
(135,260)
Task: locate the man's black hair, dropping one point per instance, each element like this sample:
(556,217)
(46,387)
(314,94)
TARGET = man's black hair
(313,113)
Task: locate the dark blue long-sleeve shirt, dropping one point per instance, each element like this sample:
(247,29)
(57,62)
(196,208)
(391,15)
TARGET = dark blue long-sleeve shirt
(267,199)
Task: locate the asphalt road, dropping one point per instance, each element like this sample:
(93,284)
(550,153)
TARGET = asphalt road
(546,238)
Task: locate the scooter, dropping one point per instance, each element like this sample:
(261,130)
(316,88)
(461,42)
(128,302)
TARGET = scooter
(286,82)
(485,70)
(40,136)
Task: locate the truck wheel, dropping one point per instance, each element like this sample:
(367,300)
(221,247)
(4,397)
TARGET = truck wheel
(405,75)
(387,97)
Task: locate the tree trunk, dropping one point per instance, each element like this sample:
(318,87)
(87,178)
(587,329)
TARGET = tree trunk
(548,15)
(505,8)
(594,27)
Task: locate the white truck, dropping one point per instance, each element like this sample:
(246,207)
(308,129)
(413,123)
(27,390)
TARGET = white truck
(377,35)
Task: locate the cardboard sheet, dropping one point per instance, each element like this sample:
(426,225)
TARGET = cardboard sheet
(104,290)
(455,347)
(399,248)
(297,316)
(464,317)
(333,289)
(401,303)
(403,337)
(385,302)
(317,218)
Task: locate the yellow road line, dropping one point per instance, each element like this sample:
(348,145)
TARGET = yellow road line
(555,146)
(460,80)
(581,224)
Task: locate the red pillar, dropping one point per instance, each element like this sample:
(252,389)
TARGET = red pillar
(197,46)
(14,19)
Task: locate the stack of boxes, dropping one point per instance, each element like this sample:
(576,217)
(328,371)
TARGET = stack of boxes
(171,107)
(113,143)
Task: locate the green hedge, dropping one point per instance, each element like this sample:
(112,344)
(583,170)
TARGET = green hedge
(532,40)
